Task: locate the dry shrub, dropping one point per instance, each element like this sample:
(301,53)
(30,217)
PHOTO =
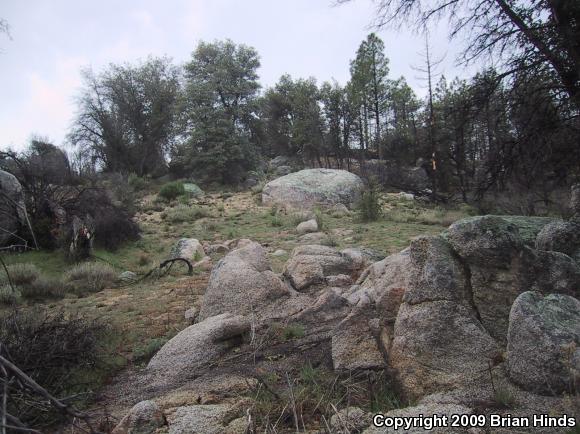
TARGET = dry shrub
(29,282)
(64,355)
(89,277)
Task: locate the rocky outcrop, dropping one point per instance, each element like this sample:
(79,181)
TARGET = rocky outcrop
(242,283)
(312,187)
(438,341)
(311,264)
(354,345)
(12,208)
(196,347)
(544,343)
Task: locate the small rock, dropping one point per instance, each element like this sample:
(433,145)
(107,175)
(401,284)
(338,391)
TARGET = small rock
(307,227)
(187,248)
(144,418)
(280,252)
(339,210)
(128,277)
(314,238)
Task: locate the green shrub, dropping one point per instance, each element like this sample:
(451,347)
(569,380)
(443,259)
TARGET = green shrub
(9,295)
(276,221)
(172,190)
(136,182)
(89,277)
(369,208)
(184,213)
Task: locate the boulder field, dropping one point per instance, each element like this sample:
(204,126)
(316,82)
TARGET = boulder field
(481,319)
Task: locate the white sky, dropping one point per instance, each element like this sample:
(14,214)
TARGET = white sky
(53,39)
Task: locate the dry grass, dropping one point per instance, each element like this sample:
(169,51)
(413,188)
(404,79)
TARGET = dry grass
(89,277)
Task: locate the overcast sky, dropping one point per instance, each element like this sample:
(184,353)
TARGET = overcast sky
(52,40)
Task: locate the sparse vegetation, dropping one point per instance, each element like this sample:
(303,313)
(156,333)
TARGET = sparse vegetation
(369,208)
(89,277)
(185,213)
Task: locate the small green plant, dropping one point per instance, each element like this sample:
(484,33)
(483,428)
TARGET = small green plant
(172,190)
(142,354)
(503,398)
(369,208)
(276,221)
(30,282)
(319,216)
(136,182)
(89,277)
(293,331)
(330,241)
(210,226)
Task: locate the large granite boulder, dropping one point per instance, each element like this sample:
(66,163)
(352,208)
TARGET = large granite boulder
(242,283)
(354,344)
(196,347)
(12,208)
(544,343)
(438,342)
(314,187)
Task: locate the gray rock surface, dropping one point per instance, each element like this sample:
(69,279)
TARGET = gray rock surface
(354,345)
(311,187)
(196,346)
(200,419)
(144,418)
(242,283)
(544,343)
(438,342)
(307,227)
(310,265)
(187,248)
(425,410)
(561,236)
